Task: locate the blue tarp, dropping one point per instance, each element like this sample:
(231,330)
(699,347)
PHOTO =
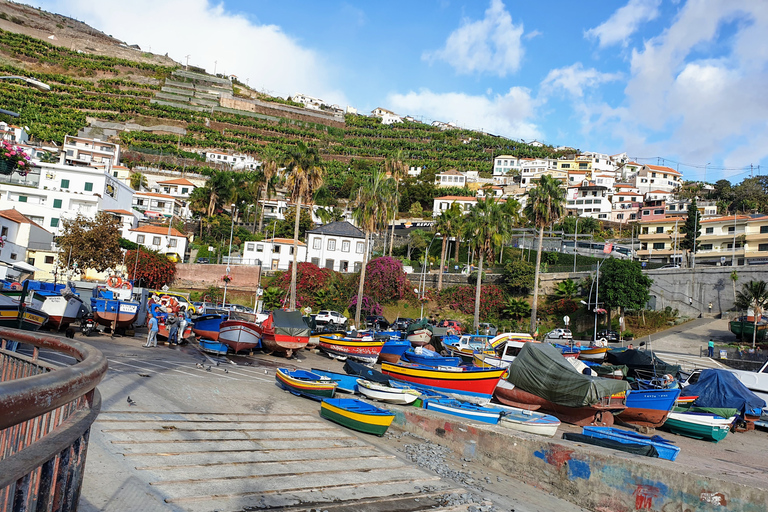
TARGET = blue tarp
(721,388)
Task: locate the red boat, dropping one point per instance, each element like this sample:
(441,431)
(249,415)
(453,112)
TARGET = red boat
(240,331)
(283,332)
(470,384)
(366,350)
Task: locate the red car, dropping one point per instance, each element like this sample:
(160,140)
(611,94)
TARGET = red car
(451,324)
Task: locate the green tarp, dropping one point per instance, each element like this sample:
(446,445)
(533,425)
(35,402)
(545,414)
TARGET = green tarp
(542,370)
(290,323)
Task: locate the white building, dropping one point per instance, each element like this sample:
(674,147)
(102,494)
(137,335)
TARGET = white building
(13,133)
(505,164)
(89,152)
(589,200)
(443,203)
(273,253)
(308,101)
(52,192)
(386,116)
(128,220)
(451,178)
(657,177)
(339,246)
(158,238)
(235,161)
(531,169)
(20,241)
(601,162)
(155,206)
(179,187)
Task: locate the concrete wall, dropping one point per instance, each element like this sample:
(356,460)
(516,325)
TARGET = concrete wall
(194,276)
(594,478)
(547,282)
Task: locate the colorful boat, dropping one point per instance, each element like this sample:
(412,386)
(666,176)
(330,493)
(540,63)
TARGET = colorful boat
(648,407)
(525,420)
(567,350)
(113,304)
(489,361)
(471,384)
(426,357)
(304,383)
(357,415)
(419,333)
(698,425)
(389,394)
(467,345)
(664,448)
(366,350)
(284,332)
(17,315)
(212,347)
(345,383)
(465,410)
(60,302)
(208,326)
(393,349)
(240,331)
(593,353)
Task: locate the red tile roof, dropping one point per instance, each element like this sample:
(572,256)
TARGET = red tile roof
(153,194)
(18,217)
(659,168)
(456,198)
(178,181)
(119,212)
(284,241)
(158,230)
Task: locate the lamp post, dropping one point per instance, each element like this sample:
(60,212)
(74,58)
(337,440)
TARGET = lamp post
(424,274)
(229,254)
(575,241)
(733,255)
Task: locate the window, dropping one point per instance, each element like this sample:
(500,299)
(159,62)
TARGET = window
(658,245)
(89,187)
(763,229)
(359,265)
(762,247)
(290,251)
(653,175)
(49,260)
(659,229)
(345,246)
(329,264)
(672,207)
(566,166)
(14,255)
(54,223)
(57,203)
(620,216)
(360,249)
(140,239)
(161,204)
(731,229)
(64,183)
(155,240)
(250,247)
(276,249)
(710,231)
(184,190)
(317,243)
(172,242)
(259,247)
(22,199)
(139,202)
(738,245)
(646,212)
(4,231)
(331,244)
(658,212)
(316,261)
(343,266)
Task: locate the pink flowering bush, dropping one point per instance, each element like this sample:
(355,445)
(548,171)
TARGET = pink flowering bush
(369,307)
(462,298)
(15,157)
(385,280)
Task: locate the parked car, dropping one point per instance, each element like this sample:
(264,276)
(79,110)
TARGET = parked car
(560,334)
(377,322)
(401,323)
(330,318)
(608,335)
(203,260)
(451,324)
(488,329)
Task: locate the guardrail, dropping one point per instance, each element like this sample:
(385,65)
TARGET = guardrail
(46,412)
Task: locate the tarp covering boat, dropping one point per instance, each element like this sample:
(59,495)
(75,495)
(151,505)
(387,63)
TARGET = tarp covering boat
(359,369)
(542,370)
(721,388)
(641,363)
(420,324)
(289,323)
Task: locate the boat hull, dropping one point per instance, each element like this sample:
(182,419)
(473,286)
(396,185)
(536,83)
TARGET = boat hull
(212,347)
(239,335)
(61,310)
(344,382)
(381,393)
(595,354)
(365,351)
(648,407)
(429,358)
(463,410)
(472,385)
(708,427)
(531,422)
(309,385)
(393,350)
(420,337)
(665,449)
(30,319)
(208,326)
(106,311)
(357,415)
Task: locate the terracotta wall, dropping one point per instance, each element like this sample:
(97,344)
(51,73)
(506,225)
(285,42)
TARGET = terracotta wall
(195,276)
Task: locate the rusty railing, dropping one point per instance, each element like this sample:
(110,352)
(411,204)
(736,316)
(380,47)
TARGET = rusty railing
(46,412)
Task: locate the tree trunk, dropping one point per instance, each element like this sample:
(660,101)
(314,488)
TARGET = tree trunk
(754,331)
(535,304)
(442,264)
(361,285)
(456,252)
(478,286)
(394,218)
(292,306)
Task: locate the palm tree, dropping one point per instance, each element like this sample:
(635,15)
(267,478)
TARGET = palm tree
(487,228)
(367,214)
(397,170)
(544,206)
(219,190)
(138,181)
(458,224)
(513,210)
(567,289)
(330,214)
(517,308)
(306,174)
(754,296)
(269,167)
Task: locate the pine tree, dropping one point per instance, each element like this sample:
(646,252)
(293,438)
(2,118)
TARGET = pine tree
(691,228)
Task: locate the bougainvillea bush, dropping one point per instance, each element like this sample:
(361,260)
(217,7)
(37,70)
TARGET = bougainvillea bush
(318,288)
(385,280)
(151,269)
(370,307)
(462,298)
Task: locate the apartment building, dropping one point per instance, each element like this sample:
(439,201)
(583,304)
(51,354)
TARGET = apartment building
(85,151)
(450,178)
(171,242)
(588,200)
(339,246)
(657,178)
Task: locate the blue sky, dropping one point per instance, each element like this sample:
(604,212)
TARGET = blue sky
(668,81)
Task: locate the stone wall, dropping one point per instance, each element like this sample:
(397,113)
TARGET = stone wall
(284,111)
(192,276)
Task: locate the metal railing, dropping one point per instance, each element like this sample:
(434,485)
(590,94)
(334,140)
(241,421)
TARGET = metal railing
(46,412)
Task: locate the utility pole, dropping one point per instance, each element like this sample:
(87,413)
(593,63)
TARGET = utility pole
(187,66)
(215,63)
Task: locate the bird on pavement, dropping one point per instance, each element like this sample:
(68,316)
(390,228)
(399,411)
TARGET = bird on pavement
(217,363)
(130,402)
(226,371)
(208,368)
(199,366)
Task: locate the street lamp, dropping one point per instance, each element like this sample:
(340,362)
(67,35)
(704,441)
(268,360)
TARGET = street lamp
(229,254)
(575,241)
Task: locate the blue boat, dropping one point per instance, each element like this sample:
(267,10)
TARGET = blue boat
(212,347)
(346,383)
(208,325)
(665,449)
(110,305)
(393,349)
(463,409)
(648,407)
(426,357)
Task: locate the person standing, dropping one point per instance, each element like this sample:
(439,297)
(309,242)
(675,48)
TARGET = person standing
(153,328)
(711,348)
(183,322)
(172,324)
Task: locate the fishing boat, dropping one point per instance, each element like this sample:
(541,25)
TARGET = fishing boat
(240,331)
(212,347)
(465,410)
(393,349)
(60,302)
(304,383)
(366,350)
(568,350)
(467,345)
(17,315)
(385,393)
(284,332)
(541,376)
(489,361)
(419,333)
(426,357)
(471,384)
(665,449)
(593,353)
(208,326)
(113,303)
(357,415)
(346,383)
(698,425)
(525,420)
(641,364)
(648,407)
(506,347)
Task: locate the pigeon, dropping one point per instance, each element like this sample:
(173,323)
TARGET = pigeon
(266,372)
(226,371)
(130,402)
(217,363)
(199,366)
(208,368)
(143,375)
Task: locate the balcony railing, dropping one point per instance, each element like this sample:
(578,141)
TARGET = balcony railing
(46,412)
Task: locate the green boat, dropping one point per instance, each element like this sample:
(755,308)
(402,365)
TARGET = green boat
(698,425)
(357,415)
(743,327)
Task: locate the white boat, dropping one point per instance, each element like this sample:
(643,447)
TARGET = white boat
(62,310)
(382,393)
(524,420)
(240,331)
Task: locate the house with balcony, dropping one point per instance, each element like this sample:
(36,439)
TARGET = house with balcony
(755,239)
(588,200)
(84,151)
(443,203)
(450,178)
(506,164)
(653,210)
(601,162)
(235,161)
(339,246)
(657,178)
(660,240)
(708,209)
(273,253)
(577,163)
(179,187)
(386,116)
(532,168)
(165,240)
(490,191)
(128,220)
(24,245)
(626,202)
(156,206)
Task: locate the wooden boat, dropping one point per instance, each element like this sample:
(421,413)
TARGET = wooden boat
(698,425)
(304,383)
(112,304)
(568,350)
(648,407)
(212,347)
(366,350)
(471,384)
(345,383)
(419,333)
(489,361)
(17,315)
(240,331)
(506,347)
(393,349)
(389,394)
(426,357)
(284,332)
(465,410)
(357,415)
(208,326)
(525,420)
(592,353)
(664,448)
(60,302)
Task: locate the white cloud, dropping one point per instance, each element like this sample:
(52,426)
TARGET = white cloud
(270,59)
(510,115)
(574,79)
(624,22)
(491,45)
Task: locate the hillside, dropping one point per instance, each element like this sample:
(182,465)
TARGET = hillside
(107,81)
